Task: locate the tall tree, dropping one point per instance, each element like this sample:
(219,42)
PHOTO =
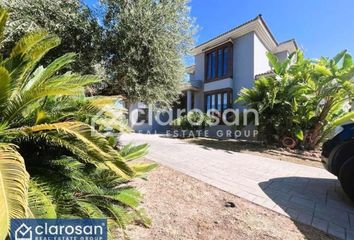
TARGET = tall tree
(136,46)
(41,134)
(147,40)
(71,20)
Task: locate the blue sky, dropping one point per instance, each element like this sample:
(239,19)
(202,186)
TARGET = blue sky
(320,27)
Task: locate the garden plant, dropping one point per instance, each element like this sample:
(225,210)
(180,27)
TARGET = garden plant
(303,100)
(53,164)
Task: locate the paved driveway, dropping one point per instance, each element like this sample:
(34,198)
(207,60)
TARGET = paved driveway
(307,194)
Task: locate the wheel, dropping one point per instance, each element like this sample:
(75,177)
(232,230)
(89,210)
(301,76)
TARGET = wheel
(346,177)
(339,155)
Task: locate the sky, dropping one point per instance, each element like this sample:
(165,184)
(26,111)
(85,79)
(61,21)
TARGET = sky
(320,27)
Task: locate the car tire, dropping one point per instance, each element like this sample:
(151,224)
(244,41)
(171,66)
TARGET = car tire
(339,155)
(346,177)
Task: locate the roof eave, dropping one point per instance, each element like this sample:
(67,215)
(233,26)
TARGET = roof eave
(290,46)
(190,69)
(186,87)
(257,25)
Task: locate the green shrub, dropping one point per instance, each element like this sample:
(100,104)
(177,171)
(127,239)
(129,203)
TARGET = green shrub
(192,121)
(52,164)
(303,100)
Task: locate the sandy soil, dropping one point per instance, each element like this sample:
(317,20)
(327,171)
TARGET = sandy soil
(184,208)
(309,158)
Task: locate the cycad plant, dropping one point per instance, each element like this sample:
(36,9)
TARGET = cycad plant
(51,163)
(303,100)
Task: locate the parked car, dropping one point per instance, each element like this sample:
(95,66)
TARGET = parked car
(338,157)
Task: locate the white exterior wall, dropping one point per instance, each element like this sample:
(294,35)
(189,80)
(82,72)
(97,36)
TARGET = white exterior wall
(199,67)
(220,84)
(243,62)
(189,100)
(134,115)
(199,100)
(199,76)
(261,63)
(249,59)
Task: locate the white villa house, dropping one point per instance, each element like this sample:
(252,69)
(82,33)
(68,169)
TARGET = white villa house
(223,66)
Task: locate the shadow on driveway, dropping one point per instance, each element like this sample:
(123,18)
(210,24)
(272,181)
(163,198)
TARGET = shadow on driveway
(254,148)
(227,145)
(313,201)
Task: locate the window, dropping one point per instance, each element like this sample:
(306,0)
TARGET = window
(225,101)
(213,101)
(208,102)
(225,60)
(220,100)
(219,63)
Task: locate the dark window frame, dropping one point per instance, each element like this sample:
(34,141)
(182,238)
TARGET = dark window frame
(228,91)
(215,70)
(215,93)
(192,100)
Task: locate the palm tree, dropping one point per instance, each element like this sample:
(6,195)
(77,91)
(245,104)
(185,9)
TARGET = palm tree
(33,133)
(331,84)
(303,100)
(276,99)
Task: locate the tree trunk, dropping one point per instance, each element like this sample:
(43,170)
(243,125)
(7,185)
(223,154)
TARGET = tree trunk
(315,134)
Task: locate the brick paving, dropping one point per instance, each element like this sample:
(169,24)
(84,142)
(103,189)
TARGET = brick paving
(309,195)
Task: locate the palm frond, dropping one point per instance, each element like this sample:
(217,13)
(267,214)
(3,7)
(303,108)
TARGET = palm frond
(130,152)
(40,200)
(13,187)
(41,75)
(5,87)
(91,210)
(103,101)
(129,196)
(141,169)
(65,85)
(3,20)
(83,140)
(24,57)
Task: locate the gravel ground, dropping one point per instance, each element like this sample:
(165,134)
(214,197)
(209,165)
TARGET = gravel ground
(182,208)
